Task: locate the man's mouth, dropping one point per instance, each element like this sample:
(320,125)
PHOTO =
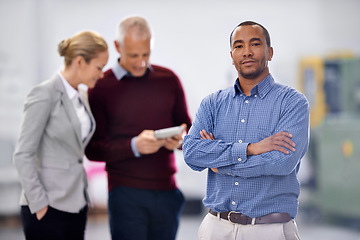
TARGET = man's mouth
(248,62)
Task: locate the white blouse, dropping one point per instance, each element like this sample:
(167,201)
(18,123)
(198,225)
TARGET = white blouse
(79,107)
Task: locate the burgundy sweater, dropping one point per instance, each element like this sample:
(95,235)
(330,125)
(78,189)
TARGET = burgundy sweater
(122,110)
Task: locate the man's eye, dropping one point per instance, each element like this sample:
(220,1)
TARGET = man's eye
(239,46)
(99,68)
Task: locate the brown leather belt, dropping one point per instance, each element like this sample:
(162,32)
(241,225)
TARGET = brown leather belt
(236,217)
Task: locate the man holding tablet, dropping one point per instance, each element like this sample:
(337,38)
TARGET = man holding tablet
(132,101)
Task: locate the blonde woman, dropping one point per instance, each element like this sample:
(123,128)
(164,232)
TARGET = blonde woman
(57,125)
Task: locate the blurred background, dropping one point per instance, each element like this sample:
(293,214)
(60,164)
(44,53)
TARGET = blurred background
(316,50)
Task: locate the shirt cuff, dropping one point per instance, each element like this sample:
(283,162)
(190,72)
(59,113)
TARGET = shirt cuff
(134,148)
(239,157)
(239,152)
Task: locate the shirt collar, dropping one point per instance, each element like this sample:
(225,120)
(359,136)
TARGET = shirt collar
(70,91)
(261,89)
(265,86)
(120,72)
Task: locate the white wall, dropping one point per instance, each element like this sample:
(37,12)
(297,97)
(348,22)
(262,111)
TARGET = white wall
(191,37)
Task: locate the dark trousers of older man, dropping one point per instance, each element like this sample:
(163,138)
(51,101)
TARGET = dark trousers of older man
(144,214)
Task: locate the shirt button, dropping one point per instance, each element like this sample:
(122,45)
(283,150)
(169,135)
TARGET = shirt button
(233,203)
(246,101)
(255,95)
(236,183)
(242,120)
(239,159)
(240,141)
(229,174)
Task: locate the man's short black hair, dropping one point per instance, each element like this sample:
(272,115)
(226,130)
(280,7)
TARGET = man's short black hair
(251,23)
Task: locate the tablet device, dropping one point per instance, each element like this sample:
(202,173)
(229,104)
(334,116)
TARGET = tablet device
(168,132)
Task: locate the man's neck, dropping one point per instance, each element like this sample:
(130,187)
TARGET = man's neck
(246,84)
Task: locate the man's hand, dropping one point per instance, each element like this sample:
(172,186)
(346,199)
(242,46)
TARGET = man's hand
(278,142)
(41,213)
(205,135)
(175,141)
(147,143)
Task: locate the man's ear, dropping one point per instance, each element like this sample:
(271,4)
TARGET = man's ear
(232,60)
(271,53)
(117,46)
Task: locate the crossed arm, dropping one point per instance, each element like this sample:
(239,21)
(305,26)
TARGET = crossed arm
(280,141)
(268,155)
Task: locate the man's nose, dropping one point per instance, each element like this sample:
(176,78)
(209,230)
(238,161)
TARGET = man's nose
(247,52)
(141,63)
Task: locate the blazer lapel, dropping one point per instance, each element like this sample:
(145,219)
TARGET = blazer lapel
(84,97)
(69,109)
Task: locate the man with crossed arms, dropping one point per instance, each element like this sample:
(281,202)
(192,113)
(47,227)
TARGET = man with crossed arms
(251,137)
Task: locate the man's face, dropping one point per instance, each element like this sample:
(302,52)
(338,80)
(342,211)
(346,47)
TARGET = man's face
(134,54)
(250,53)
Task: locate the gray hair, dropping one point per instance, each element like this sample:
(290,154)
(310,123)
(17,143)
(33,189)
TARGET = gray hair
(138,25)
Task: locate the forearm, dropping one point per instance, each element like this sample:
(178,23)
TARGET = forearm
(271,163)
(212,153)
(109,150)
(37,110)
(29,178)
(282,159)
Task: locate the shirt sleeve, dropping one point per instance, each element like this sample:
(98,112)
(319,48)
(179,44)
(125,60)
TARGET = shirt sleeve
(134,148)
(101,147)
(36,113)
(181,114)
(199,153)
(295,120)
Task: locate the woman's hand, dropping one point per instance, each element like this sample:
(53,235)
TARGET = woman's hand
(41,213)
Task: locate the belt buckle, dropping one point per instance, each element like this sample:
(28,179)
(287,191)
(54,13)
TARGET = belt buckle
(229,215)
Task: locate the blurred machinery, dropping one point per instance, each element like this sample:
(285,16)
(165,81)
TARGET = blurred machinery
(332,86)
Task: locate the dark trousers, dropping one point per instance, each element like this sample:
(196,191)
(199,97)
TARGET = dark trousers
(55,225)
(144,214)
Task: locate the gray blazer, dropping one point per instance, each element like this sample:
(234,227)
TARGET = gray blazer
(49,151)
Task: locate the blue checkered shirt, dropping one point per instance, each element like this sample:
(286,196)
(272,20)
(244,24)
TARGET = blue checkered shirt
(253,185)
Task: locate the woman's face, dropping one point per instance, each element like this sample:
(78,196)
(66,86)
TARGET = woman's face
(92,71)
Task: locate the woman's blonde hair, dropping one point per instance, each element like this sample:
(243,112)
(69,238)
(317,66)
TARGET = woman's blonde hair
(85,43)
